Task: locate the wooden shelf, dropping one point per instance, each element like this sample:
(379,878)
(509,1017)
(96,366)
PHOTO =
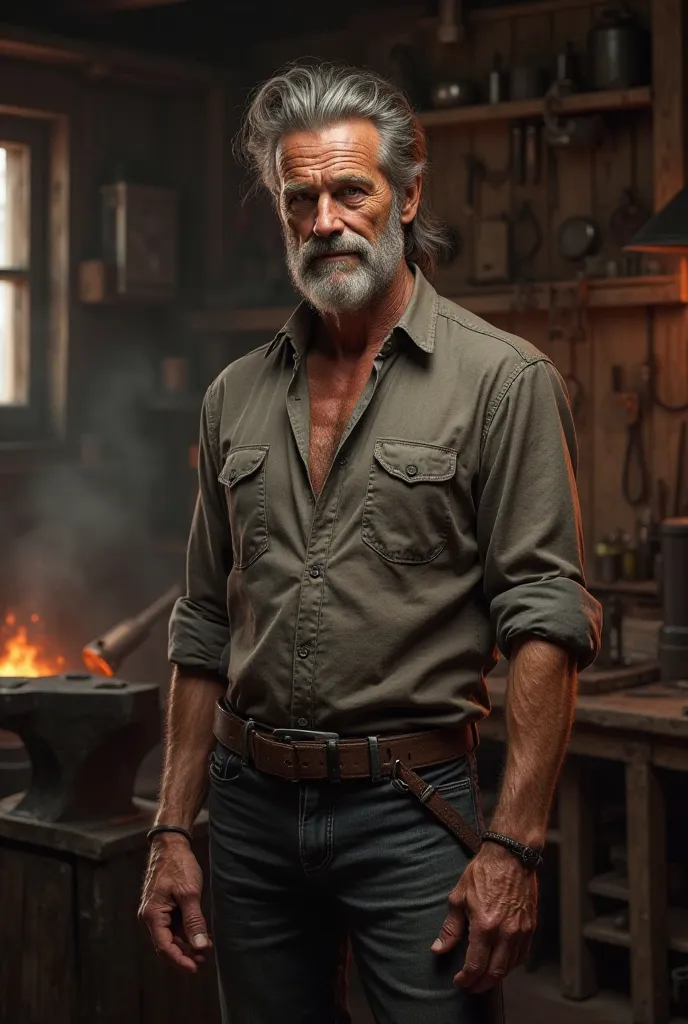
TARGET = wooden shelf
(604,929)
(604,293)
(585,102)
(612,885)
(626,588)
(262,318)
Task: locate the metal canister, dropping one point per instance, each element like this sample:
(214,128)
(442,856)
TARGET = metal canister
(618,50)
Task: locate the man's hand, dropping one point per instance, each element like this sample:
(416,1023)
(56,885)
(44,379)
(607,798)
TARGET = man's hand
(497,899)
(171,902)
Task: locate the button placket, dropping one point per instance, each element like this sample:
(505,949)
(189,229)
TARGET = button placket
(310,601)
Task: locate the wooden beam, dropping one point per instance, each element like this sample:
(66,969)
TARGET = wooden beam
(577,858)
(646,846)
(669,94)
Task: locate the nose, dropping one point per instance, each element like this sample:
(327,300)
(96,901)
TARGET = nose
(327,219)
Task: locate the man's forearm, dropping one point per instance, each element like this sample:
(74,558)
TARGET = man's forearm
(540,704)
(189,740)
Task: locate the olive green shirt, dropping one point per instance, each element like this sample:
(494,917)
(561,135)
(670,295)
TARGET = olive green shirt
(448,526)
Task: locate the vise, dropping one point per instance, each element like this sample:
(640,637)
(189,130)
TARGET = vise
(86,737)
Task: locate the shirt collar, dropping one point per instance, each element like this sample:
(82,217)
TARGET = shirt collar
(418,321)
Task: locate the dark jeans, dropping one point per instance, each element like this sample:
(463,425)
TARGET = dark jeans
(298,867)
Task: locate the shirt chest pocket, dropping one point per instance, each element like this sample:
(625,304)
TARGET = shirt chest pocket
(407,508)
(243,479)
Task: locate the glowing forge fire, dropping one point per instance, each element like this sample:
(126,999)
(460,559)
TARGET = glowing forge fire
(25,651)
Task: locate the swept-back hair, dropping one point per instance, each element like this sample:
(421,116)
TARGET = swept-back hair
(309,97)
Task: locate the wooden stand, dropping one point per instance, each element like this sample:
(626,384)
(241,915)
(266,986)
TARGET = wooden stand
(73,951)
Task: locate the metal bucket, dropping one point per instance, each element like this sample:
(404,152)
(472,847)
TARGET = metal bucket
(15,767)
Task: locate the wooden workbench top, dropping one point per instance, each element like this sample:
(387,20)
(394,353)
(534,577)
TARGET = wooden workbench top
(644,709)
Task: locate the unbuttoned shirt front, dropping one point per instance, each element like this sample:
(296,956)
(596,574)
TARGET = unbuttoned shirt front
(448,527)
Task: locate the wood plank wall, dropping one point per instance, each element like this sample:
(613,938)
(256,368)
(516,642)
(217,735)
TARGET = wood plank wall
(589,183)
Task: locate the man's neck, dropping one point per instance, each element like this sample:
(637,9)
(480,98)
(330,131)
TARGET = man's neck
(348,336)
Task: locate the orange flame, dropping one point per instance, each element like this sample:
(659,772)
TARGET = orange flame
(25,653)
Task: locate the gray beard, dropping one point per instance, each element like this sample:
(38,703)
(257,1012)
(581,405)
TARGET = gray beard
(346,287)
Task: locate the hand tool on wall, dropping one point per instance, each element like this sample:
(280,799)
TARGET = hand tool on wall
(532,169)
(625,222)
(650,369)
(477,172)
(635,479)
(526,239)
(579,132)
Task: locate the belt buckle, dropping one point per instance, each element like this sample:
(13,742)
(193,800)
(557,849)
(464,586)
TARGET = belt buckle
(330,739)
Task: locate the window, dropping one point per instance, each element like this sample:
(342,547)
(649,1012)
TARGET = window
(23,278)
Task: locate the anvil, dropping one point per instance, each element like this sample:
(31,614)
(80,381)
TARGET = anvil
(86,736)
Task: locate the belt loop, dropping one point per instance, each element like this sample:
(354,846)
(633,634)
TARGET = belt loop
(249,727)
(374,756)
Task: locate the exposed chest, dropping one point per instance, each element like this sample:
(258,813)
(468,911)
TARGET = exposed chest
(333,392)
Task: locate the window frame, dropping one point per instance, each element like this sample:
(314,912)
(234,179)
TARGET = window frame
(29,421)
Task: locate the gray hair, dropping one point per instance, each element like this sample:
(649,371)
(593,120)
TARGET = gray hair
(309,97)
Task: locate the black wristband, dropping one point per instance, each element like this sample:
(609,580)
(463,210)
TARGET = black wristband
(158,829)
(529,857)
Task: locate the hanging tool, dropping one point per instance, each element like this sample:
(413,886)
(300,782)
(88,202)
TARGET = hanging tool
(570,324)
(650,369)
(634,462)
(532,154)
(478,171)
(526,237)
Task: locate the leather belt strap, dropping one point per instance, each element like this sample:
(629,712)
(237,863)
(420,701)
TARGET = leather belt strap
(439,806)
(296,754)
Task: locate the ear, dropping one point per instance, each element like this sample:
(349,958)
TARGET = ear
(409,207)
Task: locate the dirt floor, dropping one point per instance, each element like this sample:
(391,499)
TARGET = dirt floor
(534,999)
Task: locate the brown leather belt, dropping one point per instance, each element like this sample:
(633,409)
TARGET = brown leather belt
(296,754)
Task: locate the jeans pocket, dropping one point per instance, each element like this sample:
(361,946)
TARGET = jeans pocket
(455,782)
(225,766)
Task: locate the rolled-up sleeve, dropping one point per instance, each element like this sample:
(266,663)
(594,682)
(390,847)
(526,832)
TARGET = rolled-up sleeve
(199,625)
(528,518)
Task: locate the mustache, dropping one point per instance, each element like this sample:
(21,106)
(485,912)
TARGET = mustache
(346,242)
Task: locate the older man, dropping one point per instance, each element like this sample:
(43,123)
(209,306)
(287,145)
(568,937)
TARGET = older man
(387,496)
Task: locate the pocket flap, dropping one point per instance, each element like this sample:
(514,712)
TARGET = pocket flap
(242,462)
(415,462)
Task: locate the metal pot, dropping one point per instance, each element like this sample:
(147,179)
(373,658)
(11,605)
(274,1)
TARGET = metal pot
(618,50)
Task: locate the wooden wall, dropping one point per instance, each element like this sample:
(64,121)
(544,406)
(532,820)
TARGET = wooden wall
(635,153)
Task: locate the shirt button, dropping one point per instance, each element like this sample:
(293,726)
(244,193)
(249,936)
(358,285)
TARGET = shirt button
(232,474)
(303,651)
(343,461)
(302,723)
(411,470)
(315,572)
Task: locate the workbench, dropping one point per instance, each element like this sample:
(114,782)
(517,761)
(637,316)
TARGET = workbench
(646,734)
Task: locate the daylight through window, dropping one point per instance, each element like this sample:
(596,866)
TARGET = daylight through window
(15,260)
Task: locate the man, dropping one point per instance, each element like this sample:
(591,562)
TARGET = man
(386,493)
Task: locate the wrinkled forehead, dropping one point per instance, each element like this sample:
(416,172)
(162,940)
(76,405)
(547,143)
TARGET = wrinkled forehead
(349,148)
